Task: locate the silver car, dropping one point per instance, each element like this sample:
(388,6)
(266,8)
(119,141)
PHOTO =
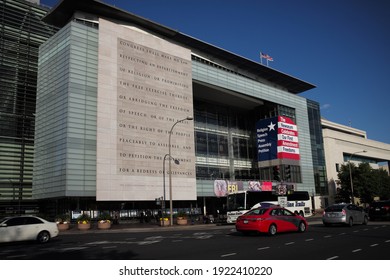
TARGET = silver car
(344,213)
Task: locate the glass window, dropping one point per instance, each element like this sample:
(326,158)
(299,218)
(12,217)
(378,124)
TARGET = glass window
(223,146)
(212,144)
(201,143)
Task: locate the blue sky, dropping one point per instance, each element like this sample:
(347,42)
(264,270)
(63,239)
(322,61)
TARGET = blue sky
(341,46)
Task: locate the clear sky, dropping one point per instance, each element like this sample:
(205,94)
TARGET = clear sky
(340,46)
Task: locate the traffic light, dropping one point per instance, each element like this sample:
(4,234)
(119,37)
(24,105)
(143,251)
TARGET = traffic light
(287,172)
(276,173)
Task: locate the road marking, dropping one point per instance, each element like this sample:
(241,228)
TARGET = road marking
(332,258)
(356,250)
(310,239)
(327,236)
(72,249)
(373,245)
(289,243)
(387,241)
(16,256)
(343,233)
(263,248)
(158,237)
(228,255)
(365,229)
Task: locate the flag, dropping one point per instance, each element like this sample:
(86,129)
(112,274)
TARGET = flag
(266,56)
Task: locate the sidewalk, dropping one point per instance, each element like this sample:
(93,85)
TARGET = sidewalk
(137,227)
(153,227)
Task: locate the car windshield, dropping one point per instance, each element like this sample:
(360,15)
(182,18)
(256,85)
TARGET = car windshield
(335,208)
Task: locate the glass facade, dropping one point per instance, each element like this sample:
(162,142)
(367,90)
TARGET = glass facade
(21,34)
(65,156)
(317,146)
(225,133)
(225,143)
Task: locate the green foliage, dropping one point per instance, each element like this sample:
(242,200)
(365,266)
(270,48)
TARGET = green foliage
(368,183)
(62,219)
(104,217)
(84,219)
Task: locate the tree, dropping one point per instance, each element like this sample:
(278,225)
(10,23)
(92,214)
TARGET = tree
(368,183)
(344,192)
(364,182)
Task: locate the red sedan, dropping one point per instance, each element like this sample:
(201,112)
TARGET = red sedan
(270,220)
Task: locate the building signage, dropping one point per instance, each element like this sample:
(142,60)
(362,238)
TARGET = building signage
(277,138)
(145,87)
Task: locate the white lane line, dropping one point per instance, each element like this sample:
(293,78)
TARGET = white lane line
(289,243)
(373,245)
(387,241)
(310,239)
(327,236)
(263,248)
(228,255)
(16,256)
(356,250)
(332,258)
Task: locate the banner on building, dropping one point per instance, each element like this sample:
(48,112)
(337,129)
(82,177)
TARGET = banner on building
(277,138)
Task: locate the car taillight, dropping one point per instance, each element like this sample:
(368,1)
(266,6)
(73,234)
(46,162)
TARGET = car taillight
(387,208)
(343,212)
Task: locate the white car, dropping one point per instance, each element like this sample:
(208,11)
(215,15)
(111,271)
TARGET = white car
(23,228)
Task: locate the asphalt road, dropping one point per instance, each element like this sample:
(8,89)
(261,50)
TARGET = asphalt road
(360,242)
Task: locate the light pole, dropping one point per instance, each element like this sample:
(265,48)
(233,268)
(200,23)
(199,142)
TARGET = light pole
(189,118)
(350,174)
(176,162)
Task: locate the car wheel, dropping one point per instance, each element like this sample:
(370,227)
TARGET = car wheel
(302,227)
(272,230)
(43,237)
(365,220)
(350,222)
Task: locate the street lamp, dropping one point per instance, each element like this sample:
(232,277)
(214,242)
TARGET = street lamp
(189,118)
(350,174)
(176,162)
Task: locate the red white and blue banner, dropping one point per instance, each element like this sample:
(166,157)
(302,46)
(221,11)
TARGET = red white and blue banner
(277,138)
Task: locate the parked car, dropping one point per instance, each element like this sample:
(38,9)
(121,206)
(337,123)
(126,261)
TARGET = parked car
(344,213)
(379,210)
(23,228)
(270,220)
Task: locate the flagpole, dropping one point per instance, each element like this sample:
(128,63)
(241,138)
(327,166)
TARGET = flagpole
(261,58)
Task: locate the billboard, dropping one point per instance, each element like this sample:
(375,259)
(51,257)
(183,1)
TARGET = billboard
(277,138)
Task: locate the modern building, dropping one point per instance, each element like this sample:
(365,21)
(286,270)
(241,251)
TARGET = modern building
(129,112)
(345,144)
(21,34)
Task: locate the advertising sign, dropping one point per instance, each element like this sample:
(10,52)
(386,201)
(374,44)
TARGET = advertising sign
(277,138)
